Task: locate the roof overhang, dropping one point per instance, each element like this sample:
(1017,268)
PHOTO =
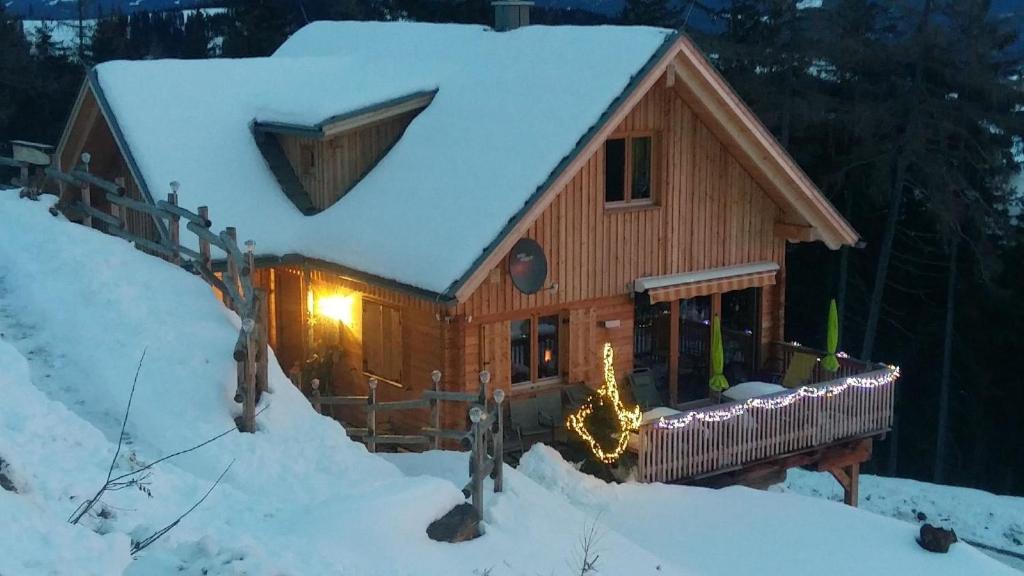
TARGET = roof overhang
(350,120)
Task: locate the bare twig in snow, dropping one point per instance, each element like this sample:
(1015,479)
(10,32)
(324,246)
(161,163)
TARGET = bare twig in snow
(145,542)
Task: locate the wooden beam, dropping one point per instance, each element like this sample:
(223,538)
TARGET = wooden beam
(847,455)
(673,354)
(795,232)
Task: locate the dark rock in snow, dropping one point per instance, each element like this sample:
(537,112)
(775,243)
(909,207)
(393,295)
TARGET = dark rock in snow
(5,481)
(934,539)
(460,524)
(921,516)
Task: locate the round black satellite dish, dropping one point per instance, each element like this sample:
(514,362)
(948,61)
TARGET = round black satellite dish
(527,266)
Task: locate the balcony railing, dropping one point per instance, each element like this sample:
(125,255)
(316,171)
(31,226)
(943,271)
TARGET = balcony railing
(854,402)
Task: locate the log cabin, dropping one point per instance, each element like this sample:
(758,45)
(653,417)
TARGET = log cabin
(452,197)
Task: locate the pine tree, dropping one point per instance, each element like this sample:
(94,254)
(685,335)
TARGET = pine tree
(651,13)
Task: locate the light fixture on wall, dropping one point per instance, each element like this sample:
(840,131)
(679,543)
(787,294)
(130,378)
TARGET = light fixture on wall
(336,307)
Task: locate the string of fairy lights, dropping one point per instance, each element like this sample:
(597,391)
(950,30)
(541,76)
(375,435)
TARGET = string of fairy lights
(776,402)
(628,419)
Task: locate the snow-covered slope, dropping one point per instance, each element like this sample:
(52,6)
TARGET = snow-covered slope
(976,515)
(77,309)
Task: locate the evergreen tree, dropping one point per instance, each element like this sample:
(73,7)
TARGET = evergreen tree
(260,26)
(651,13)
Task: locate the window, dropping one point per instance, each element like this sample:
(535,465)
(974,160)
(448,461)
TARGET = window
(628,169)
(382,341)
(534,349)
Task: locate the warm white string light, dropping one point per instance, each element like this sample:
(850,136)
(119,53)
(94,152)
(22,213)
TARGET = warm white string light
(781,401)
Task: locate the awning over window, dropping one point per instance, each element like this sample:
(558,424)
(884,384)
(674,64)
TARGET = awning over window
(704,282)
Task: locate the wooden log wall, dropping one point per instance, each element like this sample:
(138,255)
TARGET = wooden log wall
(422,339)
(331,167)
(708,212)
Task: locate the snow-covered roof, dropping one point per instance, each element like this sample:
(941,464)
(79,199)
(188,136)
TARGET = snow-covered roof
(509,107)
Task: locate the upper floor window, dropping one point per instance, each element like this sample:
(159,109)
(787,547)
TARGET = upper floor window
(628,169)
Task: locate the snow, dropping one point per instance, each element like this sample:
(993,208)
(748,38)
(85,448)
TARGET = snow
(753,389)
(509,107)
(738,530)
(77,309)
(975,515)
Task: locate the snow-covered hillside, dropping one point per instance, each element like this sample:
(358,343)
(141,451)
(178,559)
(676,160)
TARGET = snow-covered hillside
(77,310)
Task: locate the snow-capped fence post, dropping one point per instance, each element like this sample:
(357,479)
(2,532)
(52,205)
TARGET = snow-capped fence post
(478,417)
(499,440)
(204,243)
(315,399)
(86,192)
(435,410)
(231,271)
(371,417)
(174,225)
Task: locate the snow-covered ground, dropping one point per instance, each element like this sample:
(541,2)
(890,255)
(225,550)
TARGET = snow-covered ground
(982,517)
(77,310)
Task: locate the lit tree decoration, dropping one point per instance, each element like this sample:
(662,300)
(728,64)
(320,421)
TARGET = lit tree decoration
(607,395)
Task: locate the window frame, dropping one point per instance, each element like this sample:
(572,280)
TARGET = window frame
(534,364)
(628,201)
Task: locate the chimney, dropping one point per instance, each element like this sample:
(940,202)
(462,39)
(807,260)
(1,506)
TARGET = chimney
(511,14)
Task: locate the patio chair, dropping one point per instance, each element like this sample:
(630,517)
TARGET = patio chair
(575,396)
(801,367)
(645,391)
(536,416)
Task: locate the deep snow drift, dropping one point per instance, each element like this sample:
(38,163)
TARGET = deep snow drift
(77,309)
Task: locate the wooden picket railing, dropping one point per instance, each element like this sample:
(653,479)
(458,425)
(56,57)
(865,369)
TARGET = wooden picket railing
(251,350)
(725,437)
(484,438)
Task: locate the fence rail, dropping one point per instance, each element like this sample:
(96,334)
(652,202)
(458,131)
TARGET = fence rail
(725,437)
(484,437)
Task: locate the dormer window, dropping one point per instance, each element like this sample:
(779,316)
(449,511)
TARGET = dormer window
(629,169)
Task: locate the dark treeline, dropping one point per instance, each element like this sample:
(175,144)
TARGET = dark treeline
(904,112)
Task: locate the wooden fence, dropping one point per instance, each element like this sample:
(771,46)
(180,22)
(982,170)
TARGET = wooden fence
(484,437)
(724,437)
(234,284)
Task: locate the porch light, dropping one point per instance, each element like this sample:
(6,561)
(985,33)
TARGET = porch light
(336,307)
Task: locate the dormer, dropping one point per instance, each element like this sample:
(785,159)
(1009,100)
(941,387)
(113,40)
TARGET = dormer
(316,165)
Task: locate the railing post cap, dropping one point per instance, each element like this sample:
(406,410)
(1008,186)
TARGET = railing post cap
(475,414)
(175,185)
(86,158)
(373,383)
(435,376)
(485,376)
(499,395)
(315,383)
(248,324)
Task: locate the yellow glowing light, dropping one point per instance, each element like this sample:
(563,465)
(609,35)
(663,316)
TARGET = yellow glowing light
(547,355)
(338,308)
(629,419)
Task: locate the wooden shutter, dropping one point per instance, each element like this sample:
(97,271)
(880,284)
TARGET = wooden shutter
(391,344)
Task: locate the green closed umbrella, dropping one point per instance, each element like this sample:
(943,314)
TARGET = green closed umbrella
(718,383)
(830,362)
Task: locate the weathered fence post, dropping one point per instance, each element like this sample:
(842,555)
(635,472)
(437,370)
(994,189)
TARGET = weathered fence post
(371,417)
(435,410)
(477,417)
(174,225)
(86,191)
(499,440)
(316,395)
(249,400)
(204,244)
(115,209)
(231,273)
